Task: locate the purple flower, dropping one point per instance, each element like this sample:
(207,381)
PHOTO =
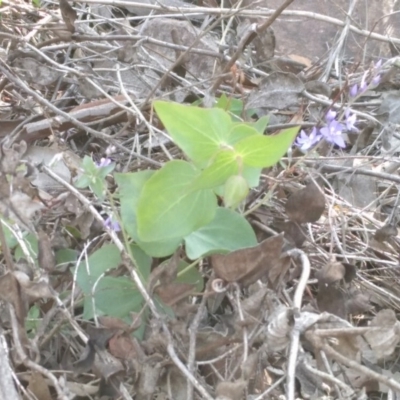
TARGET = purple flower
(354,90)
(376,79)
(112,224)
(306,142)
(378,65)
(104,162)
(332,133)
(351,119)
(330,115)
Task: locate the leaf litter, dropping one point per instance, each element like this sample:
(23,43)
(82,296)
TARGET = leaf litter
(226,328)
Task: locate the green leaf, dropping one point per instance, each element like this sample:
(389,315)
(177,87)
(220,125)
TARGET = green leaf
(199,132)
(168,208)
(223,166)
(100,261)
(115,297)
(252,176)
(228,231)
(261,124)
(89,166)
(97,186)
(143,262)
(265,151)
(66,256)
(82,182)
(104,171)
(241,131)
(190,275)
(130,186)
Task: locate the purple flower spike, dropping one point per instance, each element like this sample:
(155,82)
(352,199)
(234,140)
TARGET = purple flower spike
(378,65)
(354,90)
(306,142)
(112,224)
(332,133)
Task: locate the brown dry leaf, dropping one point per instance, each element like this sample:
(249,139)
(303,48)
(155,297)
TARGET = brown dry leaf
(123,347)
(358,303)
(306,205)
(318,87)
(11,157)
(106,365)
(174,292)
(331,273)
(38,290)
(166,272)
(114,323)
(36,72)
(384,341)
(84,224)
(278,330)
(68,15)
(231,390)
(149,376)
(85,362)
(10,291)
(386,232)
(38,387)
(249,366)
(264,45)
(332,299)
(293,232)
(279,91)
(246,266)
(46,256)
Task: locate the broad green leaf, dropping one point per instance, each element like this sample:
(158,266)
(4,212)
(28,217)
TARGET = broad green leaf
(240,132)
(265,151)
(223,166)
(103,259)
(130,186)
(199,132)
(261,124)
(66,256)
(252,176)
(113,296)
(228,231)
(143,261)
(190,275)
(168,208)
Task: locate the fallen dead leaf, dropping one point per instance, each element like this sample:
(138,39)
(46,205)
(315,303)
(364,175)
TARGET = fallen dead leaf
(246,266)
(306,205)
(38,386)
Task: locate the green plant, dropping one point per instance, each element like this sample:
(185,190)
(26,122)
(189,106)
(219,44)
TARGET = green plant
(162,209)
(94,175)
(181,202)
